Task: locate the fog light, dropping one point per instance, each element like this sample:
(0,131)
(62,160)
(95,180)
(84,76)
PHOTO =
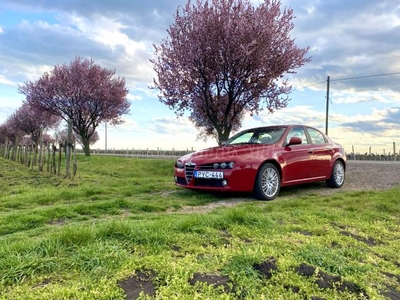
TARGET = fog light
(223,165)
(215,166)
(224,182)
(176,179)
(231,165)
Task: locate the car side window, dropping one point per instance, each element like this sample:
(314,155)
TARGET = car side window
(265,138)
(316,136)
(297,132)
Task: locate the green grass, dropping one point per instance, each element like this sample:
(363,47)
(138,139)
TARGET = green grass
(76,239)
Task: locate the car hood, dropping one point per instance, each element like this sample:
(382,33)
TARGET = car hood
(229,153)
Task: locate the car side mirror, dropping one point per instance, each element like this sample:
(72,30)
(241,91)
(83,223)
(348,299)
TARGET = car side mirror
(294,141)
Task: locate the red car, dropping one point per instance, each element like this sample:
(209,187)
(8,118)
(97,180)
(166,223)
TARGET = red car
(262,160)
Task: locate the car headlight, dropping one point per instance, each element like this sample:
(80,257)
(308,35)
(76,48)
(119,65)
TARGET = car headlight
(179,165)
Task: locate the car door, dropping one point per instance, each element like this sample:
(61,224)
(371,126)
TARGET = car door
(322,153)
(297,160)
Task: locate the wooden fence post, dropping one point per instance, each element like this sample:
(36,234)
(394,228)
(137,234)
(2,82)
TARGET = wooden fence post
(59,158)
(41,149)
(26,155)
(6,149)
(68,150)
(53,159)
(75,164)
(48,159)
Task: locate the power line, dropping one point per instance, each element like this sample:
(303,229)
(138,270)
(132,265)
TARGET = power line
(342,79)
(307,86)
(348,78)
(367,76)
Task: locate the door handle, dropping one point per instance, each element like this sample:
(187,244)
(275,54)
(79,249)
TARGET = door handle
(310,151)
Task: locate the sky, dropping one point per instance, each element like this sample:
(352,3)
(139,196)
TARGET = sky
(356,43)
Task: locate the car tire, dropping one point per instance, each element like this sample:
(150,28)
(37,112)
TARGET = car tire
(338,175)
(268,182)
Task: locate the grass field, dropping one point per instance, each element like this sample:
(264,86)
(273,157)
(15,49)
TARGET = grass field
(122,230)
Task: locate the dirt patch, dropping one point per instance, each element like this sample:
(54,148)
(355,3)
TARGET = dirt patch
(327,281)
(369,241)
(231,202)
(142,282)
(58,222)
(304,232)
(267,268)
(391,293)
(215,280)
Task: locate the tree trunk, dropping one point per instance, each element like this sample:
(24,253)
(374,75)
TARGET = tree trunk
(17,155)
(86,146)
(223,137)
(35,154)
(14,152)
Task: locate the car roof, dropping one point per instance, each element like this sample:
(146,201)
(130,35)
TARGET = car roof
(278,125)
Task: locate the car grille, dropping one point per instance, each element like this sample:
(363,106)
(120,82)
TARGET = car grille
(206,167)
(208,182)
(189,170)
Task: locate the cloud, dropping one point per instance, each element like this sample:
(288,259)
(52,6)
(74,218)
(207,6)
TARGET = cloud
(379,122)
(139,16)
(78,32)
(365,96)
(134,97)
(363,126)
(4,80)
(349,40)
(178,127)
(302,114)
(392,116)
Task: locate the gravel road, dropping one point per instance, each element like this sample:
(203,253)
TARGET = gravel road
(370,175)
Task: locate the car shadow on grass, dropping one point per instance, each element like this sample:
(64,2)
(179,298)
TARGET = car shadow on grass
(289,191)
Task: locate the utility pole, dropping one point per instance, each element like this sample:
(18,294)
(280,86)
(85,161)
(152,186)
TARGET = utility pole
(327,105)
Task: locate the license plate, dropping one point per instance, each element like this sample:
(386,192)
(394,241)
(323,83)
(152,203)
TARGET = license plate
(209,174)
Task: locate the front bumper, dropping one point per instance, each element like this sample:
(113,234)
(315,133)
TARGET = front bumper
(237,179)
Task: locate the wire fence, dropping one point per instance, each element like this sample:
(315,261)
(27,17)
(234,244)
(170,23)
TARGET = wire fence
(49,159)
(383,156)
(44,158)
(159,153)
(144,153)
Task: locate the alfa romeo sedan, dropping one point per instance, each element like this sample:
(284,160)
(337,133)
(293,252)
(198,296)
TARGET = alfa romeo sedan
(262,160)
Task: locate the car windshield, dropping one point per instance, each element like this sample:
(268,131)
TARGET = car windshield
(264,135)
